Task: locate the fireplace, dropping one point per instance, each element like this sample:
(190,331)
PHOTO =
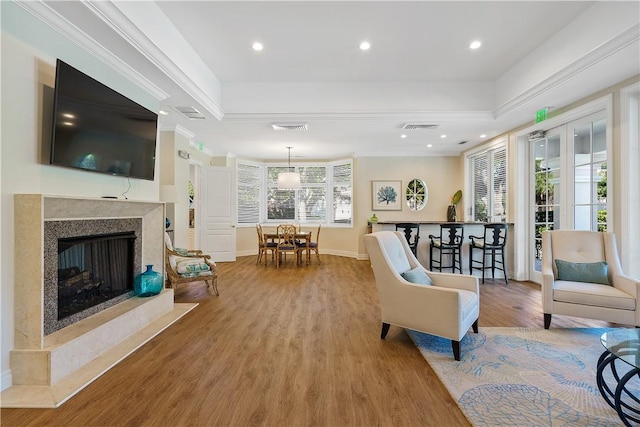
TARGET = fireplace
(52,359)
(89,265)
(93,270)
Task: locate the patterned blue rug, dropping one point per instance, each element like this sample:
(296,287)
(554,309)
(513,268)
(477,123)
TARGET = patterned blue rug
(523,377)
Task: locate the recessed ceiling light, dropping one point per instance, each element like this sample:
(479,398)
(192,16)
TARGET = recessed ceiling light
(163,113)
(257,46)
(475,44)
(443,136)
(403,136)
(429,145)
(483,136)
(365,46)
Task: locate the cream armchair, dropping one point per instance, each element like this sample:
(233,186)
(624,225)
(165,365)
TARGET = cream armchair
(615,302)
(447,308)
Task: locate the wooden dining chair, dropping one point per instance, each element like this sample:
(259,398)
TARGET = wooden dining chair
(314,246)
(264,246)
(286,243)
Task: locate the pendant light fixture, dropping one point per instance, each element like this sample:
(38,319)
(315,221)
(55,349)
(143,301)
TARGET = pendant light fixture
(289,180)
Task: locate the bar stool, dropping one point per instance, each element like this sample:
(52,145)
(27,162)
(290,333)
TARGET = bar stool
(491,244)
(448,243)
(411,233)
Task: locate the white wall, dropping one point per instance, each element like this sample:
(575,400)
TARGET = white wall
(26,74)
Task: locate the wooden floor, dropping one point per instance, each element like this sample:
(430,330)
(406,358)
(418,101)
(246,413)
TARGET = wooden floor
(296,346)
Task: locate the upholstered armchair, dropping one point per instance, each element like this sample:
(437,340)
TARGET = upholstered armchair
(189,265)
(442,304)
(582,277)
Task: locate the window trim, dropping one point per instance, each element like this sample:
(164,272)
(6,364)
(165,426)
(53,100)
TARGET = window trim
(630,164)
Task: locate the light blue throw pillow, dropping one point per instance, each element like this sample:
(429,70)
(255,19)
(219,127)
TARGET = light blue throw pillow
(591,272)
(418,276)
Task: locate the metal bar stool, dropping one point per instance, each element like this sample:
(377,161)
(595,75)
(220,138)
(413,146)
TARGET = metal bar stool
(411,233)
(492,245)
(448,243)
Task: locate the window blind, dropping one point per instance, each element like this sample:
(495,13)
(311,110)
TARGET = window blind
(248,182)
(487,184)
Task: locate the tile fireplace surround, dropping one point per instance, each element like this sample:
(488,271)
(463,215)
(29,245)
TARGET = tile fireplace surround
(48,369)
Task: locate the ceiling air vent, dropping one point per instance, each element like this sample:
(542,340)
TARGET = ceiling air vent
(290,126)
(190,112)
(462,142)
(419,126)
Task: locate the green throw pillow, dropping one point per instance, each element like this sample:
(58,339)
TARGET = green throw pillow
(417,275)
(591,272)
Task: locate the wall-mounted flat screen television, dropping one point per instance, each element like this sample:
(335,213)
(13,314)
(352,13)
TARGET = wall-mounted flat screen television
(97,129)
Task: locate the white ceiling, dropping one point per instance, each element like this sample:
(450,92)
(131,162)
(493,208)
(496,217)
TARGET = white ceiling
(419,67)
(309,41)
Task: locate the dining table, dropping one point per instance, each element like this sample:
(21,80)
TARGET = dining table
(302,237)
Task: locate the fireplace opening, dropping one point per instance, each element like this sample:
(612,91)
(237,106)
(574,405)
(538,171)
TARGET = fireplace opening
(94,269)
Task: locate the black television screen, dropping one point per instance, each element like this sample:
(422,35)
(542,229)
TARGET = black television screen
(97,129)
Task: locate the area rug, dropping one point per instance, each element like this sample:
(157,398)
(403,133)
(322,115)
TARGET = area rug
(523,377)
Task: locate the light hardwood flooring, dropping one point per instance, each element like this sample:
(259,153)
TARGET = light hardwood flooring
(294,346)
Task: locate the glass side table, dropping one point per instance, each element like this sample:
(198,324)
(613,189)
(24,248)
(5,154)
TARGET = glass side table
(624,345)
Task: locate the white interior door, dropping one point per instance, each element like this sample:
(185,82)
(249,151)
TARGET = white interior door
(218,217)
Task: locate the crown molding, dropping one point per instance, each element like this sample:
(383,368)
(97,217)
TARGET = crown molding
(407,153)
(591,58)
(123,26)
(180,130)
(439,116)
(46,14)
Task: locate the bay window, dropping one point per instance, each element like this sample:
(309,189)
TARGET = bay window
(323,185)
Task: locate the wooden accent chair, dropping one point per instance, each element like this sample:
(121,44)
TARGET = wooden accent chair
(444,304)
(189,265)
(588,281)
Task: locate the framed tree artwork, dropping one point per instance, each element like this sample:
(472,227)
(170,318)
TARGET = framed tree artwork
(387,195)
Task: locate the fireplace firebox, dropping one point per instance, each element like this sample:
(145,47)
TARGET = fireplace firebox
(93,269)
(89,265)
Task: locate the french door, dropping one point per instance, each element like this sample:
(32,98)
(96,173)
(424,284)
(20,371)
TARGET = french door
(568,182)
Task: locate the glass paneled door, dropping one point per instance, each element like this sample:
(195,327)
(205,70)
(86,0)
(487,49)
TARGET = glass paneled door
(547,184)
(589,175)
(568,182)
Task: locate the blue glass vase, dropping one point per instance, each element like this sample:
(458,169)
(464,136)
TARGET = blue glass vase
(149,283)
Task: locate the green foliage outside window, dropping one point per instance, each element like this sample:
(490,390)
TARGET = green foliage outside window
(601,190)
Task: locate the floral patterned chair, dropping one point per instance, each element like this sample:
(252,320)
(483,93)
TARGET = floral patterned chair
(189,265)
